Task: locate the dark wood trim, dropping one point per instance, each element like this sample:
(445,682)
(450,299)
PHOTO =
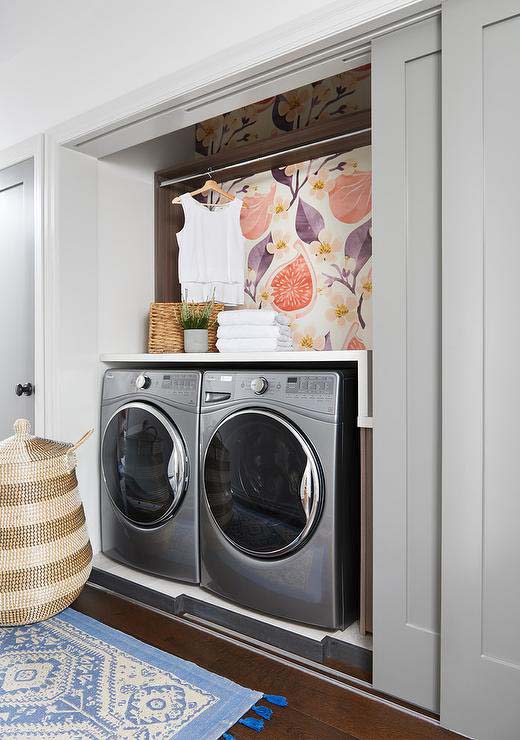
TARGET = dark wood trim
(318,708)
(300,137)
(169,219)
(349,659)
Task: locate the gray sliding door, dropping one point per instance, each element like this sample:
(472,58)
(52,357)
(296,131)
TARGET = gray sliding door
(406,99)
(480,680)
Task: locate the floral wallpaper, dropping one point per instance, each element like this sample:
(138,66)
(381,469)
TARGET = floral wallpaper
(335,96)
(308,237)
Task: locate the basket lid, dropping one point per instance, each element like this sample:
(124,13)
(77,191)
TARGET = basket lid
(24,447)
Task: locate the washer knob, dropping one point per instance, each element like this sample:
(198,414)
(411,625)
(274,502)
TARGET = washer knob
(259,385)
(143,382)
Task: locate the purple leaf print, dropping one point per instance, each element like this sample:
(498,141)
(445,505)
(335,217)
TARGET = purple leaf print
(358,245)
(280,121)
(260,259)
(309,222)
(328,344)
(280,176)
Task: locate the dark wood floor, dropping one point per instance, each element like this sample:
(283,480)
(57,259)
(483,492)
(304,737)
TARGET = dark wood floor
(317,710)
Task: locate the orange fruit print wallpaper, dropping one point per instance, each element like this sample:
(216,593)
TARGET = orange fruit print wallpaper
(307,226)
(308,238)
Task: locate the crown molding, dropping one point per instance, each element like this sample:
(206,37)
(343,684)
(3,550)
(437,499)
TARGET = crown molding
(141,113)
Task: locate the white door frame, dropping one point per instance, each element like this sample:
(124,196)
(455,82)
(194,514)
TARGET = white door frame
(323,43)
(319,41)
(33,148)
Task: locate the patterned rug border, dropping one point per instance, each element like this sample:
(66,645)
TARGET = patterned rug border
(234,701)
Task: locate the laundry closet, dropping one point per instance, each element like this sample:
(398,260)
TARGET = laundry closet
(304,163)
(355,232)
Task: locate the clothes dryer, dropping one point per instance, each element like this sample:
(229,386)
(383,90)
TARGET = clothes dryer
(280,493)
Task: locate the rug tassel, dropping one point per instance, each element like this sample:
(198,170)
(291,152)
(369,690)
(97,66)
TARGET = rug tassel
(281,701)
(264,712)
(255,724)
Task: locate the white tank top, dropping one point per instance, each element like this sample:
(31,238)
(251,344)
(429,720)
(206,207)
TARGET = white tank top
(211,252)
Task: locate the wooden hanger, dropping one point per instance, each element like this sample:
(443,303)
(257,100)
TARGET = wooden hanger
(210,185)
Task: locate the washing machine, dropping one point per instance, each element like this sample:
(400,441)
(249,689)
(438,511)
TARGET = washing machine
(150,470)
(280,493)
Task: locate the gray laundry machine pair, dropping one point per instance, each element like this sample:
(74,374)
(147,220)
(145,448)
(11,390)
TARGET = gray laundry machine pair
(245,481)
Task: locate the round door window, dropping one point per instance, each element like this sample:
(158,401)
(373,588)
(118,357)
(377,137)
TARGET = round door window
(261,483)
(144,464)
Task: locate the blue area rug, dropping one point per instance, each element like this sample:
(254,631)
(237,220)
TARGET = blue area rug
(73,678)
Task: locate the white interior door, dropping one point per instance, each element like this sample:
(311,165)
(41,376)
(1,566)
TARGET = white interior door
(406,110)
(480,659)
(16,295)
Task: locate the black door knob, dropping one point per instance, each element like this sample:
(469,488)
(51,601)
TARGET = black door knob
(24,390)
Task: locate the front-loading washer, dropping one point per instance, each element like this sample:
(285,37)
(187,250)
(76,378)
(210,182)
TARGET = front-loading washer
(280,493)
(150,470)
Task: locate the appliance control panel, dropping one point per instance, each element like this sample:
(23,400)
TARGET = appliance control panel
(310,390)
(182,387)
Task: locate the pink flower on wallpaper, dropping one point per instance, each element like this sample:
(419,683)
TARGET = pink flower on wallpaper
(326,247)
(264,104)
(292,169)
(350,198)
(366,285)
(256,214)
(280,245)
(294,104)
(352,341)
(281,208)
(293,286)
(343,309)
(321,183)
(308,339)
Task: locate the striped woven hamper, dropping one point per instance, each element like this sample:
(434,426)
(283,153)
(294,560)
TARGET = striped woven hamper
(45,552)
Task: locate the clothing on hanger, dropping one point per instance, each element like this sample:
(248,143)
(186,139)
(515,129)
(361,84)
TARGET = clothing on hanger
(211,252)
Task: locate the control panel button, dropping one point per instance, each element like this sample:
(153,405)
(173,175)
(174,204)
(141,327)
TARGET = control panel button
(142,382)
(259,385)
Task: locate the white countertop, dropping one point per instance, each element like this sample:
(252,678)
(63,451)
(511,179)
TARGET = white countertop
(363,358)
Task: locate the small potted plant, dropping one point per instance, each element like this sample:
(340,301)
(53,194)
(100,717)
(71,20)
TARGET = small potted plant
(195,319)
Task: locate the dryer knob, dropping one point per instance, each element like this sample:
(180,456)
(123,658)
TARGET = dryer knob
(143,381)
(259,385)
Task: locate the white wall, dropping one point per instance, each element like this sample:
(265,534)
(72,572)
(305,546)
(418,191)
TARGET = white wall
(75,381)
(59,58)
(125,259)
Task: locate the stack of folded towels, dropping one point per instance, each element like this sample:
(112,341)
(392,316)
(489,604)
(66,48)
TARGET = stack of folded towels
(253,330)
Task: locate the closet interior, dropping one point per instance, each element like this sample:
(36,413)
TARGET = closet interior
(300,161)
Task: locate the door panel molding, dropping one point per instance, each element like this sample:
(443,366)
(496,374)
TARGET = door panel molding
(407,370)
(33,149)
(480,651)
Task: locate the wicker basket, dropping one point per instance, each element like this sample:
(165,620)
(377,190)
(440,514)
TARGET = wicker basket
(167,335)
(45,552)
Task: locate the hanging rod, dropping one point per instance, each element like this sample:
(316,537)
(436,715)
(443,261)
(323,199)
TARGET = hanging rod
(210,171)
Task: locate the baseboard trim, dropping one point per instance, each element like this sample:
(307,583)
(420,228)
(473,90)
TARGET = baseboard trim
(349,659)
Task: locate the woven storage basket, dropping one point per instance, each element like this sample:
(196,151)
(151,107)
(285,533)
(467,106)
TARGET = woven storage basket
(45,552)
(167,335)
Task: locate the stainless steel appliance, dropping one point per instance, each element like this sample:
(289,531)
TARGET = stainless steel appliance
(149,466)
(280,493)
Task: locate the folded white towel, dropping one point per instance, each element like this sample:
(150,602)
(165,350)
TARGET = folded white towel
(263,316)
(248,331)
(253,345)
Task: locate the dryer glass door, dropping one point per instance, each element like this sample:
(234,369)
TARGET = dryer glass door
(144,464)
(261,483)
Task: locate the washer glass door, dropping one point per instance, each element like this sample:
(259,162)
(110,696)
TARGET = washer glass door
(144,464)
(261,483)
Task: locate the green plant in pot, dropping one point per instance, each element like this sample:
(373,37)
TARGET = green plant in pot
(195,319)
